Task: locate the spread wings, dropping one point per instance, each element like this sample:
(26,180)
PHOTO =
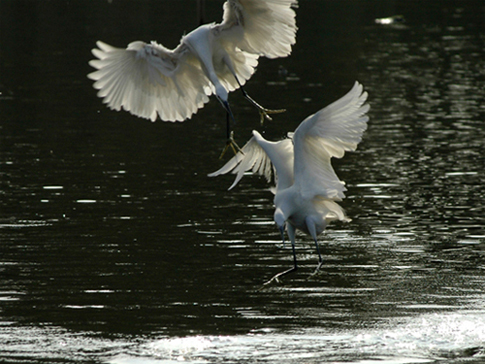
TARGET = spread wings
(269,159)
(149,80)
(304,159)
(329,133)
(268,26)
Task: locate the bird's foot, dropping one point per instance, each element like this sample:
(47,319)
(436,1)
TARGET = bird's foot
(316,270)
(231,143)
(277,276)
(274,279)
(264,113)
(272,282)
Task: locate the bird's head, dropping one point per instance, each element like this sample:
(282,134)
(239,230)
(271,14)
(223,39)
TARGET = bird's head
(221,93)
(222,96)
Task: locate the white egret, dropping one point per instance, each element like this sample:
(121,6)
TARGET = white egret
(151,81)
(307,187)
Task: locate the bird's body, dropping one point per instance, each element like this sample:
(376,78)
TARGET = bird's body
(301,213)
(198,42)
(151,81)
(307,188)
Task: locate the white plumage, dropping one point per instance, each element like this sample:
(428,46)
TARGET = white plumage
(151,81)
(307,186)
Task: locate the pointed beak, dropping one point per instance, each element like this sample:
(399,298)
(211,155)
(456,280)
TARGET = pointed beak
(225,105)
(282,231)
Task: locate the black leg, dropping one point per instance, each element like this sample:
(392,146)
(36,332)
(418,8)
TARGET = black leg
(230,142)
(228,125)
(318,252)
(313,232)
(320,261)
(263,112)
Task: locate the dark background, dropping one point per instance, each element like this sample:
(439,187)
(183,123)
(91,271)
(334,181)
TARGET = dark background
(109,225)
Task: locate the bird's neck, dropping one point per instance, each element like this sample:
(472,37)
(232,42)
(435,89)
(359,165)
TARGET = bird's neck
(284,203)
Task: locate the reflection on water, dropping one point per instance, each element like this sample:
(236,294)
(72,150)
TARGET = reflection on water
(116,247)
(422,339)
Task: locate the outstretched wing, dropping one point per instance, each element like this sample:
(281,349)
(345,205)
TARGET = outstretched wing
(329,133)
(264,158)
(263,27)
(149,80)
(242,64)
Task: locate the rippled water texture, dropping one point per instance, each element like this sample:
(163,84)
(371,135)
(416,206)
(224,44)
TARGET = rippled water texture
(116,248)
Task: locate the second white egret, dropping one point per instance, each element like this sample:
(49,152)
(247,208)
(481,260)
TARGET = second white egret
(307,186)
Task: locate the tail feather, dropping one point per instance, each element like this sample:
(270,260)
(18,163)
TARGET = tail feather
(330,209)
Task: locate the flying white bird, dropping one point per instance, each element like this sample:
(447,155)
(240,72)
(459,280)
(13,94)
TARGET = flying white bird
(307,187)
(151,81)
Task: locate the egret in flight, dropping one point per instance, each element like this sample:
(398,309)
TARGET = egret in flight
(151,81)
(307,188)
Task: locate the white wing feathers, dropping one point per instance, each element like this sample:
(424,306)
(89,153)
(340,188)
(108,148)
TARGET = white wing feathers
(265,158)
(149,80)
(329,133)
(304,159)
(281,156)
(254,158)
(269,25)
(341,124)
(244,65)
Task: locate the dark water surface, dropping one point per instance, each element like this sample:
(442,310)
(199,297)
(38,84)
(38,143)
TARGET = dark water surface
(116,247)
